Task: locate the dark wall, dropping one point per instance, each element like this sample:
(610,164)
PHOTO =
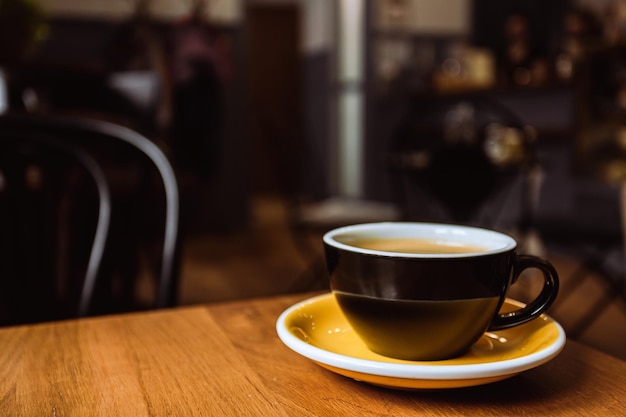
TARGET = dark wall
(317,93)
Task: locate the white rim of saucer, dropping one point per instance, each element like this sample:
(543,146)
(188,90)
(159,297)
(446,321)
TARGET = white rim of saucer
(494,242)
(435,371)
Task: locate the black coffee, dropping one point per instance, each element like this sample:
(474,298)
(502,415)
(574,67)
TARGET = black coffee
(412,329)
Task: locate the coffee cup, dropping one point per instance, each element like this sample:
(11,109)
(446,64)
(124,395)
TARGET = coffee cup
(424,291)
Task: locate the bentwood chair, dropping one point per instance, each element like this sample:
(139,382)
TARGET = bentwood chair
(464,160)
(88,209)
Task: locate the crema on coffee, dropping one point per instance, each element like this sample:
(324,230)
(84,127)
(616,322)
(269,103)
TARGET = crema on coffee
(413,245)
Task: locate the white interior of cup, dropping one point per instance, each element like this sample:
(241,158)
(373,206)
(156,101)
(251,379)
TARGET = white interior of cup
(488,240)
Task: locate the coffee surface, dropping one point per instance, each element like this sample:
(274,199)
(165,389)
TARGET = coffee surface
(411,245)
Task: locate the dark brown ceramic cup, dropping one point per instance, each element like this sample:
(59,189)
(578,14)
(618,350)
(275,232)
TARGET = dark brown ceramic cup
(422,291)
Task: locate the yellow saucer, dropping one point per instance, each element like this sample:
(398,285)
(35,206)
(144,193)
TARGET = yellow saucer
(317,329)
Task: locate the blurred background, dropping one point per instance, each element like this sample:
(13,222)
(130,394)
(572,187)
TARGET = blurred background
(285,118)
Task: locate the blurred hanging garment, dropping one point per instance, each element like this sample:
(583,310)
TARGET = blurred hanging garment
(137,71)
(198,70)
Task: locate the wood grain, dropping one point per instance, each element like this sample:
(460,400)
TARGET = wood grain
(226,360)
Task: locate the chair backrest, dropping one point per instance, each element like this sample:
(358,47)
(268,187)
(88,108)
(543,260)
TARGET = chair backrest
(457,159)
(4,93)
(58,153)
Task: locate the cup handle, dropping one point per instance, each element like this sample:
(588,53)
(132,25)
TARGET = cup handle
(538,305)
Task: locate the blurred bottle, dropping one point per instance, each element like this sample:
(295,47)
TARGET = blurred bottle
(522,61)
(581,34)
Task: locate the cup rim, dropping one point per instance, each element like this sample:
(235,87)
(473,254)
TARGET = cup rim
(501,242)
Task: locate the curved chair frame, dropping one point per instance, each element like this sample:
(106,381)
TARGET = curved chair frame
(398,163)
(166,294)
(92,167)
(158,158)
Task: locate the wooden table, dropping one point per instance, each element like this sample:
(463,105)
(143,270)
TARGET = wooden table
(226,360)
